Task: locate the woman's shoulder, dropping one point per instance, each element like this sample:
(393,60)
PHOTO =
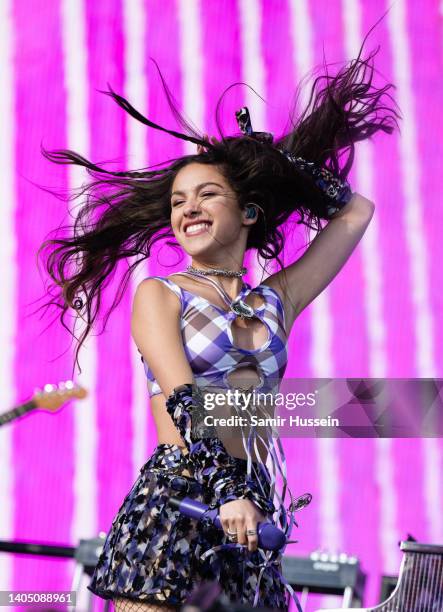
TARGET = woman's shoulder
(156,288)
(160,281)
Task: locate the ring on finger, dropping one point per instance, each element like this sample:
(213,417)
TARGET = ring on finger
(251,532)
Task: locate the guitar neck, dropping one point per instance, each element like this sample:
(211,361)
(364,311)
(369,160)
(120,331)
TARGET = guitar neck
(17,412)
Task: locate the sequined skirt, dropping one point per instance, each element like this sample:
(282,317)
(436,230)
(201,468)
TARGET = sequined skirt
(153,553)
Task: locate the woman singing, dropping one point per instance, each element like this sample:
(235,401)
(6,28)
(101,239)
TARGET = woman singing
(204,327)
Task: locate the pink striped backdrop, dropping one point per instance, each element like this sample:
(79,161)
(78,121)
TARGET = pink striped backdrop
(382,314)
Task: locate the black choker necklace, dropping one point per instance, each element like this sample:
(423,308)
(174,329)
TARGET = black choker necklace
(216,272)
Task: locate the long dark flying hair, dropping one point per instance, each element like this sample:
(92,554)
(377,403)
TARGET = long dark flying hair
(125,213)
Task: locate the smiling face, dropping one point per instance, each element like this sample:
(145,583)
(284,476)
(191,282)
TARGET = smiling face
(205,216)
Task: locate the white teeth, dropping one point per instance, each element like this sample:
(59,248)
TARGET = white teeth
(196,228)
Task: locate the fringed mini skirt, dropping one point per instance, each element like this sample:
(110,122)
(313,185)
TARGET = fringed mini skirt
(155,554)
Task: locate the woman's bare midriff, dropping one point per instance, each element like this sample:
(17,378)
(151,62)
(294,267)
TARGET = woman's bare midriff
(167,432)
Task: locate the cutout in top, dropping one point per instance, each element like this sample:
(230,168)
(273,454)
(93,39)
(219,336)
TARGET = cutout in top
(249,334)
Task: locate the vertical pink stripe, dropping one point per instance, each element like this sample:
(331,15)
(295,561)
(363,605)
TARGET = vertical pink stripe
(426,63)
(220,22)
(42,443)
(108,139)
(350,342)
(411,509)
(162,25)
(425,35)
(360,509)
(389,197)
(278,64)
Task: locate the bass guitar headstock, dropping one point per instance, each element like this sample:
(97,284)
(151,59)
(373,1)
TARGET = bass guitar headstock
(52,397)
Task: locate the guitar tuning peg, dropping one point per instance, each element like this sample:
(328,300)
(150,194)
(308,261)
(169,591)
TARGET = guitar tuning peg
(48,388)
(69,384)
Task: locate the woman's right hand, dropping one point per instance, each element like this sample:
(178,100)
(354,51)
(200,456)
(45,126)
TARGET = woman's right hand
(238,516)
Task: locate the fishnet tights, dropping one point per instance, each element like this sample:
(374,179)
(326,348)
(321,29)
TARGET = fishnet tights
(122,604)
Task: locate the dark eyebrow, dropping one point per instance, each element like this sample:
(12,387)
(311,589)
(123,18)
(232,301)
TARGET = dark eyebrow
(197,188)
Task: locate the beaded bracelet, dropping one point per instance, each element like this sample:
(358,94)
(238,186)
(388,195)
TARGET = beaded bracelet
(338,191)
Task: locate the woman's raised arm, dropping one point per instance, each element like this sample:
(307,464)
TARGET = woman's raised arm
(303,280)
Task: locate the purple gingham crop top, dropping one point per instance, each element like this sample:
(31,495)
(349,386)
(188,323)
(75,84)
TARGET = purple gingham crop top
(208,341)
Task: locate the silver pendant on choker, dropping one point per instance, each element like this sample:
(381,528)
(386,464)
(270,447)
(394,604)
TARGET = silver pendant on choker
(242,309)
